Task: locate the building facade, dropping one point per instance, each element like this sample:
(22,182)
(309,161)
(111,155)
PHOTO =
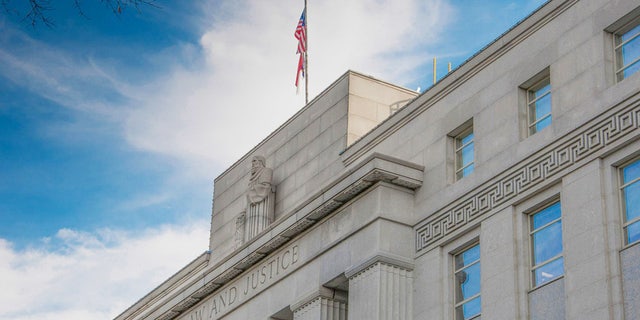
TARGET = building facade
(508,190)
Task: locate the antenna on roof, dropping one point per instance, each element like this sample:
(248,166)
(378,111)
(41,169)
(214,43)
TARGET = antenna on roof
(435,75)
(434,70)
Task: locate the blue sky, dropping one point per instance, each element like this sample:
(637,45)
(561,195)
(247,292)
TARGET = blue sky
(112,128)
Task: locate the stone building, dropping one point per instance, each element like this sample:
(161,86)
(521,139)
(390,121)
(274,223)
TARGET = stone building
(508,190)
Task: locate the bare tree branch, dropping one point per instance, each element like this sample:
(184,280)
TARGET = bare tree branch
(37,11)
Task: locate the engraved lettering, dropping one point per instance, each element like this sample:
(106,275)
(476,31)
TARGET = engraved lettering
(294,254)
(233,294)
(254,284)
(214,308)
(284,255)
(271,269)
(263,276)
(222,302)
(241,289)
(246,289)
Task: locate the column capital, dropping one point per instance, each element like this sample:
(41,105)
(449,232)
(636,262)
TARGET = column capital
(380,257)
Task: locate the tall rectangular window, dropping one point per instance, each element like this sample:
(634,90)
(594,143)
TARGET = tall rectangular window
(464,153)
(539,105)
(630,190)
(546,244)
(467,284)
(627,50)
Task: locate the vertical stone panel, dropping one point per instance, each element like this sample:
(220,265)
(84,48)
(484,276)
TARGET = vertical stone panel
(586,284)
(428,275)
(548,302)
(498,265)
(381,291)
(630,261)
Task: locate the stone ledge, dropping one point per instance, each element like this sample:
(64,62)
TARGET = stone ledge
(171,284)
(375,168)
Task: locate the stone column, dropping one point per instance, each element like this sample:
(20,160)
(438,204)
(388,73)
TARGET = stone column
(381,289)
(325,304)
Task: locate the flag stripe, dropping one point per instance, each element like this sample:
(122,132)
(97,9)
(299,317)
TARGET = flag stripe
(301,35)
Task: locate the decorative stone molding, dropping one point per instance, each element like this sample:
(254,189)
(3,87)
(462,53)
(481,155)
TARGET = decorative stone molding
(372,170)
(381,257)
(168,315)
(177,281)
(185,304)
(596,135)
(323,304)
(240,231)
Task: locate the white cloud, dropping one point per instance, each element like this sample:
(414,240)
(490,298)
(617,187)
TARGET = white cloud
(218,98)
(93,275)
(237,89)
(211,116)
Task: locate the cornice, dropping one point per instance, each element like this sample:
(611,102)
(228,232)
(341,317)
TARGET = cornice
(344,76)
(381,257)
(478,62)
(169,285)
(372,170)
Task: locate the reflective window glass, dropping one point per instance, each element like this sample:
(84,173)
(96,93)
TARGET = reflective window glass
(546,244)
(464,153)
(467,278)
(627,52)
(631,200)
(539,105)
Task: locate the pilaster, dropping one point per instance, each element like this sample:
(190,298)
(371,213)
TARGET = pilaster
(381,288)
(324,304)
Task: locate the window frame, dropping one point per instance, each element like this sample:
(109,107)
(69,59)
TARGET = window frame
(458,147)
(532,106)
(533,266)
(618,61)
(623,209)
(456,270)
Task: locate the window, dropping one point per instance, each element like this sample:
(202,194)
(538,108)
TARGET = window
(627,50)
(546,244)
(630,191)
(464,153)
(539,105)
(467,283)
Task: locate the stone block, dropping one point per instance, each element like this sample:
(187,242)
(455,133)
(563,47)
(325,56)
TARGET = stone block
(548,302)
(630,263)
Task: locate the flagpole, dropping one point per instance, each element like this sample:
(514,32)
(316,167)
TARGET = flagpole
(306,56)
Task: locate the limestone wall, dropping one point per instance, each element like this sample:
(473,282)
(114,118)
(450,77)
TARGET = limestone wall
(304,153)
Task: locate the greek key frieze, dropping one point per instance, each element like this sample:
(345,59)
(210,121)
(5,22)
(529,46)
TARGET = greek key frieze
(527,174)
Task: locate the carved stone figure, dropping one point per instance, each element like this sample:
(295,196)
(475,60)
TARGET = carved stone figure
(259,181)
(260,198)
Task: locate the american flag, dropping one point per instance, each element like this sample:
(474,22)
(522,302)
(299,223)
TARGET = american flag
(301,35)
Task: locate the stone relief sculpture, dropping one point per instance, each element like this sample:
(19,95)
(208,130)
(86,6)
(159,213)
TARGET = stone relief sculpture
(239,236)
(260,200)
(259,181)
